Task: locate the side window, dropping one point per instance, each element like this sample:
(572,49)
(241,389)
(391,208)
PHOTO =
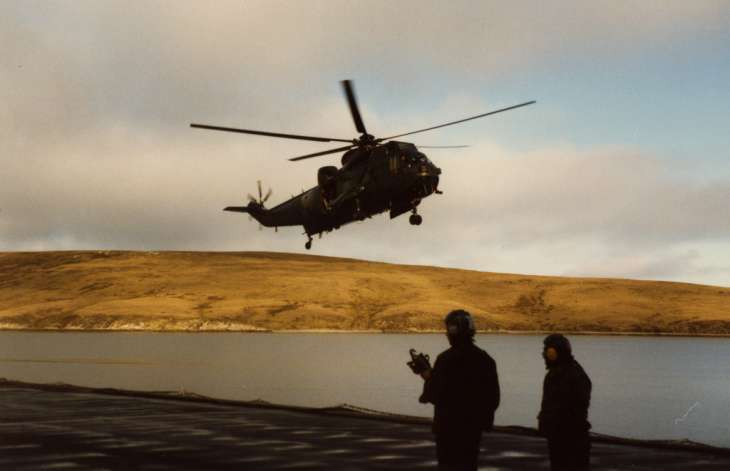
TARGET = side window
(393,163)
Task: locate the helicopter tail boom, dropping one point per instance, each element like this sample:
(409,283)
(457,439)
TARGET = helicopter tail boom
(257,212)
(237,209)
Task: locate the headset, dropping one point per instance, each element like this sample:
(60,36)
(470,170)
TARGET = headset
(459,322)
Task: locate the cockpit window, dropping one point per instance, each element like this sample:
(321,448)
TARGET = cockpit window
(406,152)
(408,157)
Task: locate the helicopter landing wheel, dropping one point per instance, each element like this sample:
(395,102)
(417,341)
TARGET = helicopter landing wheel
(308,244)
(415,219)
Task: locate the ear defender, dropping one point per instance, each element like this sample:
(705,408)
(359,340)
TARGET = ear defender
(470,323)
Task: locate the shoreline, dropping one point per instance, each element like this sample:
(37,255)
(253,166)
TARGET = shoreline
(365,331)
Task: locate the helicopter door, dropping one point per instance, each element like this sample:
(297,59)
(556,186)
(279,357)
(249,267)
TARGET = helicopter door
(393,163)
(327,181)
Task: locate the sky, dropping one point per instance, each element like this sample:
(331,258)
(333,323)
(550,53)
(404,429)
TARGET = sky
(621,169)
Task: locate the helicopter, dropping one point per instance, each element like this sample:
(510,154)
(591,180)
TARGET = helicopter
(376,175)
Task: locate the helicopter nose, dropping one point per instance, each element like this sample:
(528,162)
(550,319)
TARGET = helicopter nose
(427,185)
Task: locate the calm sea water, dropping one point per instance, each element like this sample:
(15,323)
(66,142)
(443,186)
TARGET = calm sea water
(643,387)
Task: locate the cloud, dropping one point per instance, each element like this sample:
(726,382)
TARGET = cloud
(645,265)
(109,61)
(619,196)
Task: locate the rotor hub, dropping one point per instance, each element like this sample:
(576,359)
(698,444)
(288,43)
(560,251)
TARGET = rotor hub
(364,140)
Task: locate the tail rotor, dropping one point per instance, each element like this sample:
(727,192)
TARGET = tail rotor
(262,198)
(258,203)
(255,207)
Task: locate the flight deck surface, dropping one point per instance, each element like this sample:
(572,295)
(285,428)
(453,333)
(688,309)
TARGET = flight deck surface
(47,428)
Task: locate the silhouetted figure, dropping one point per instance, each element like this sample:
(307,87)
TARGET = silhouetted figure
(464,388)
(566,396)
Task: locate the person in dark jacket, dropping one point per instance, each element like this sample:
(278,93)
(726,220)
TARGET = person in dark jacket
(464,389)
(566,396)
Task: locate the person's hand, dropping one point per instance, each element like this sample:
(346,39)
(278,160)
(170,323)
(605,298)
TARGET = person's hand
(426,374)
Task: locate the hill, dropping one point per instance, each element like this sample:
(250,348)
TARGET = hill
(194,291)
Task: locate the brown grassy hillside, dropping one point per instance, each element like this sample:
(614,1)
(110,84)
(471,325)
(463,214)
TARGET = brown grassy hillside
(253,291)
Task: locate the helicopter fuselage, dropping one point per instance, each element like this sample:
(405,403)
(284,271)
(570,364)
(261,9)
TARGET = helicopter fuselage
(391,177)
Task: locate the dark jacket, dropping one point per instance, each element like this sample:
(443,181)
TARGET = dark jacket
(464,389)
(566,396)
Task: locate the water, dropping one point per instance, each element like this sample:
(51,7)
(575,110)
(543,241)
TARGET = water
(643,387)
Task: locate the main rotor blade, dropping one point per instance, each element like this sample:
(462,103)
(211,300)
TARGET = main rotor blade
(441,147)
(352,101)
(457,122)
(317,154)
(270,134)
